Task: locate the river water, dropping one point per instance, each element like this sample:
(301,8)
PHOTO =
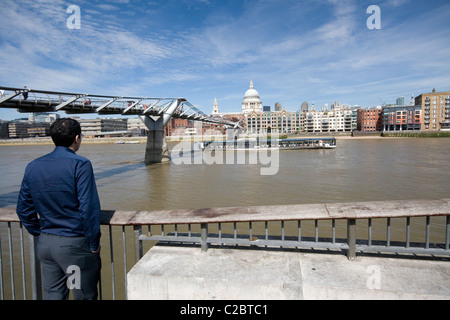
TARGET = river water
(357,170)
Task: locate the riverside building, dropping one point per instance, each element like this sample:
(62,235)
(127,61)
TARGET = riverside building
(28,129)
(427,112)
(257,119)
(104,127)
(369,120)
(338,119)
(275,121)
(435,110)
(402,118)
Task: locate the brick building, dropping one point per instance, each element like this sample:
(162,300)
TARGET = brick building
(369,120)
(435,110)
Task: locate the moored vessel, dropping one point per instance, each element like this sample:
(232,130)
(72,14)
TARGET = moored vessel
(282,144)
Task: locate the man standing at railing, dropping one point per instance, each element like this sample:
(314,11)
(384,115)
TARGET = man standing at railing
(59,204)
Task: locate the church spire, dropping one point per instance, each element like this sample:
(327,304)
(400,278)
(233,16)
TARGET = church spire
(251,84)
(215,107)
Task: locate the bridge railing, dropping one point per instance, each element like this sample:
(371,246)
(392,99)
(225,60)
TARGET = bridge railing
(419,228)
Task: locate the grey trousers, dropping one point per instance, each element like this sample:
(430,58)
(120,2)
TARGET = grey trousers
(67,263)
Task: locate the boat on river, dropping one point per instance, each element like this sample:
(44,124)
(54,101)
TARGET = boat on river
(281,144)
(127,142)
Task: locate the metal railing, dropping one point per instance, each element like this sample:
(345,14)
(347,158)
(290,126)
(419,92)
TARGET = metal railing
(419,228)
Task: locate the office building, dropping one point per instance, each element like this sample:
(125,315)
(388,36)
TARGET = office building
(402,118)
(104,127)
(27,129)
(4,134)
(400,101)
(304,107)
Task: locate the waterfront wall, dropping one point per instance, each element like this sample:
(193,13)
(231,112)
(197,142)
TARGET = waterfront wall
(183,273)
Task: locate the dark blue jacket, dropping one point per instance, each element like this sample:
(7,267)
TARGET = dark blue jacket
(59,196)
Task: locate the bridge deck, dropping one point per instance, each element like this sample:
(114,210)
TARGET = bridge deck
(30,100)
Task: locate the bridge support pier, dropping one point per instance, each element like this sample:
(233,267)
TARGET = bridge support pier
(157,150)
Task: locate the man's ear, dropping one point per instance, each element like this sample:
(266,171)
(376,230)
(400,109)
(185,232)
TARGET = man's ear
(76,143)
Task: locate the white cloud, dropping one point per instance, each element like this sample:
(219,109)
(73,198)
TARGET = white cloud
(107,7)
(396,3)
(298,52)
(42,50)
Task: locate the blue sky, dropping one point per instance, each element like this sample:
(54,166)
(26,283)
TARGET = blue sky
(316,51)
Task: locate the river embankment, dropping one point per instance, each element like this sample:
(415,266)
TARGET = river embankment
(48,140)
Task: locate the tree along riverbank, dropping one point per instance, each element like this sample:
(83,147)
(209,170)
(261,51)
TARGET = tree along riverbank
(413,134)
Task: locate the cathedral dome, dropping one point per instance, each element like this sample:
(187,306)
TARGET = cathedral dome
(251,93)
(252,101)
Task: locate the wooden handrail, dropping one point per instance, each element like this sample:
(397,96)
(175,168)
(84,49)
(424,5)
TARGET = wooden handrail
(352,210)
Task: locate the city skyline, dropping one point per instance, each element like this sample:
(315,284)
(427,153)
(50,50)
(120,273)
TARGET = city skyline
(294,51)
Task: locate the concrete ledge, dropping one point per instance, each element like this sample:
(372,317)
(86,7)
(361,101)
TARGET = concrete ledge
(176,273)
(188,273)
(335,277)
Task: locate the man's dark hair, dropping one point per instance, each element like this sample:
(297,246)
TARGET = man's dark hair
(64,131)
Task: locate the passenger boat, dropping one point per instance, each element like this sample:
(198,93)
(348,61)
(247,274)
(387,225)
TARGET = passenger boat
(127,142)
(307,143)
(281,144)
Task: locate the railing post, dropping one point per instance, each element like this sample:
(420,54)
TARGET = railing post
(447,233)
(36,283)
(351,239)
(204,236)
(2,292)
(138,243)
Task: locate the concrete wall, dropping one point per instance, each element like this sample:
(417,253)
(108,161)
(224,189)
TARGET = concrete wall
(181,273)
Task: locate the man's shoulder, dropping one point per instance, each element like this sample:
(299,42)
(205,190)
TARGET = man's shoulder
(57,155)
(79,158)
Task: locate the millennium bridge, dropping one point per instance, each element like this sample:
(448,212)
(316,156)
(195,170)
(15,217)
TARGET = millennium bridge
(154,112)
